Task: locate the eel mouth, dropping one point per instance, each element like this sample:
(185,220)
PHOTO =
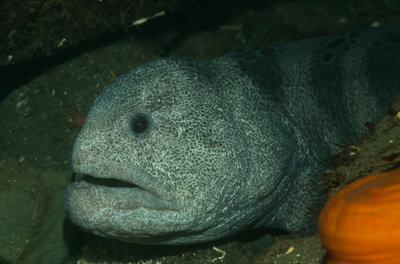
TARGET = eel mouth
(112,193)
(108,182)
(119,209)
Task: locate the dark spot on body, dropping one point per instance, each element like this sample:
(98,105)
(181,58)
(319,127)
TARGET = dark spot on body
(353,41)
(316,51)
(251,57)
(336,43)
(354,34)
(327,57)
(267,51)
(375,43)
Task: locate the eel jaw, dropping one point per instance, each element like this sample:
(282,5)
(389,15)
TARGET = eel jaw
(116,209)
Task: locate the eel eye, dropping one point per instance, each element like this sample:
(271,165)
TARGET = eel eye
(139,124)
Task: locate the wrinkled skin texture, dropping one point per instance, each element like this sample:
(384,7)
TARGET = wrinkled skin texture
(199,150)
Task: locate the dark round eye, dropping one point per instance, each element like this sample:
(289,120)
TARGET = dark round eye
(140,124)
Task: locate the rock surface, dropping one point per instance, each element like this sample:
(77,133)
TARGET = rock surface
(32,218)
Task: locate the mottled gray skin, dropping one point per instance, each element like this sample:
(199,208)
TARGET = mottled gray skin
(230,143)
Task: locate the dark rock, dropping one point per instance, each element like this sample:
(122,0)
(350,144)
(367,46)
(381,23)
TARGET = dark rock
(29,29)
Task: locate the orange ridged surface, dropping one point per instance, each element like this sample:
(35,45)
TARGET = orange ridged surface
(361,223)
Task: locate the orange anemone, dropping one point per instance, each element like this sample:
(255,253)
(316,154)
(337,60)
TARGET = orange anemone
(361,223)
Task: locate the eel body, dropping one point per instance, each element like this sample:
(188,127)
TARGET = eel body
(181,151)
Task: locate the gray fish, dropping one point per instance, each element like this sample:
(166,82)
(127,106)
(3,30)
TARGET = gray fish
(181,151)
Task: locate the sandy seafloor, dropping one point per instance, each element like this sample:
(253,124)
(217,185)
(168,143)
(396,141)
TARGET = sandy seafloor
(39,118)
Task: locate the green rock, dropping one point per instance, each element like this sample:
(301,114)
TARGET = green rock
(32,215)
